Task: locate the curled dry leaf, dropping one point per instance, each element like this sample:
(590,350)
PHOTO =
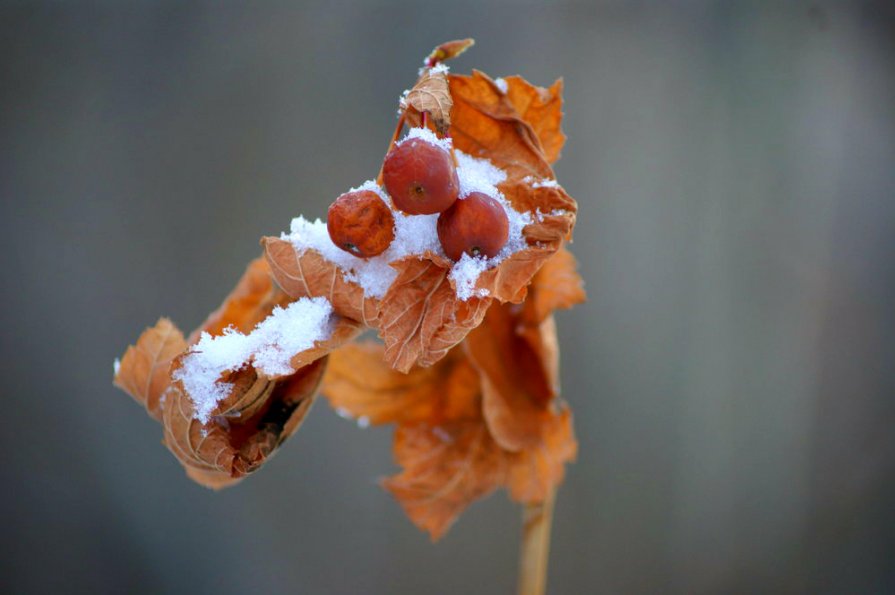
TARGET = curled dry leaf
(542,109)
(445,468)
(259,412)
(225,450)
(517,353)
(144,369)
(430,94)
(449,50)
(516,389)
(485,124)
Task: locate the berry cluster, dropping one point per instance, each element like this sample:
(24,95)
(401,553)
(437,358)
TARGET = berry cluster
(421,179)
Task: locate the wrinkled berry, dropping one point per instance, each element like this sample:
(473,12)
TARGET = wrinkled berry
(361,223)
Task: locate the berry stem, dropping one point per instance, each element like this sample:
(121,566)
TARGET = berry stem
(535,551)
(395,137)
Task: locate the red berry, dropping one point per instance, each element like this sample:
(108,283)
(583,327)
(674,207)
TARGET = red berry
(420,177)
(476,225)
(361,223)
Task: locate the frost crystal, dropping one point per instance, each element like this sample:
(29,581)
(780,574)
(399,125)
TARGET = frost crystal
(270,347)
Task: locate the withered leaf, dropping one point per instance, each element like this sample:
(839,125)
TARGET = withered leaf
(485,124)
(431,94)
(534,472)
(420,316)
(516,384)
(250,390)
(251,301)
(445,468)
(225,450)
(358,383)
(309,274)
(449,50)
(542,109)
(556,285)
(144,371)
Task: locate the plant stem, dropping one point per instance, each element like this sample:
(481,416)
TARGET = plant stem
(535,552)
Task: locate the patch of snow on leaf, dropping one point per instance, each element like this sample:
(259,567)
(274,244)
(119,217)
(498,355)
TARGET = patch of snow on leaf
(501,84)
(270,347)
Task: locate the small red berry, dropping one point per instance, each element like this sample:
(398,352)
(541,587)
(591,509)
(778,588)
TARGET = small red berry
(361,223)
(420,177)
(476,225)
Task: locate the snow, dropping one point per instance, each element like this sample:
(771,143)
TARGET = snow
(478,175)
(440,68)
(540,183)
(362,422)
(270,347)
(501,84)
(116,365)
(427,135)
(417,234)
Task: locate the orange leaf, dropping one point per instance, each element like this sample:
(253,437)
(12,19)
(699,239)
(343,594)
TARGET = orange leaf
(445,468)
(250,302)
(144,371)
(516,384)
(556,285)
(542,109)
(310,275)
(421,317)
(358,383)
(485,124)
(535,471)
(222,452)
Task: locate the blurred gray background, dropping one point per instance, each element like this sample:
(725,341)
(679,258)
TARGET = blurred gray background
(732,373)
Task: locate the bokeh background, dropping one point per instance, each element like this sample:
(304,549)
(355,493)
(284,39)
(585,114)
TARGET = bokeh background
(732,373)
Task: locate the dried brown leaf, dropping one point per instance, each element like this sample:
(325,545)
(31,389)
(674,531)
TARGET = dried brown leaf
(309,274)
(516,384)
(225,450)
(445,469)
(485,124)
(534,472)
(556,285)
(250,390)
(420,316)
(542,109)
(358,383)
(145,370)
(430,94)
